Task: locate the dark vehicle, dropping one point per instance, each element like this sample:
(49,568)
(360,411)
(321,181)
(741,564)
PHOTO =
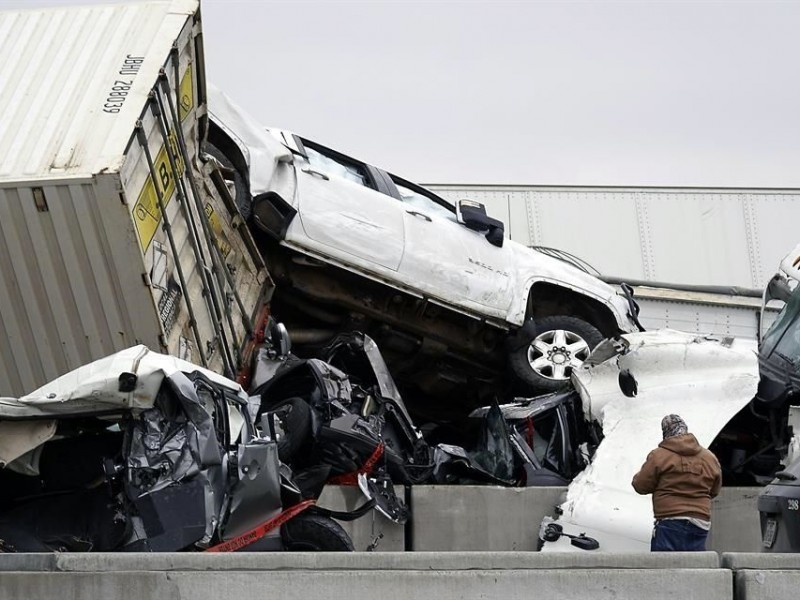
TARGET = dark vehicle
(779,352)
(779,505)
(342,417)
(144,452)
(531,442)
(778,389)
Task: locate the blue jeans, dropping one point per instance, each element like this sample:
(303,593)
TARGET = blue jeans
(677,535)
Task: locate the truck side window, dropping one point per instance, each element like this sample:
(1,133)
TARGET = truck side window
(414,197)
(337,165)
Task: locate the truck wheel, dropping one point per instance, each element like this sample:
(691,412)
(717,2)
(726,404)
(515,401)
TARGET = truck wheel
(315,533)
(555,347)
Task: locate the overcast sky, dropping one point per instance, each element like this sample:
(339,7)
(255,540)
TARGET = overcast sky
(618,93)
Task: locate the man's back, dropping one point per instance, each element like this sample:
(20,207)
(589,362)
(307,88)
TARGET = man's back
(682,476)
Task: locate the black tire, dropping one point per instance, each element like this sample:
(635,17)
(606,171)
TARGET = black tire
(231,174)
(551,374)
(315,533)
(296,420)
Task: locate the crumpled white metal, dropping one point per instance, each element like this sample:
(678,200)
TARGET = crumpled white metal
(706,381)
(95,387)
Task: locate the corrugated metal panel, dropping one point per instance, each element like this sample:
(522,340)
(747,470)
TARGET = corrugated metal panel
(65,284)
(733,237)
(59,68)
(86,263)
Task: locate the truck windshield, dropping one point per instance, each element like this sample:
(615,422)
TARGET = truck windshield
(784,335)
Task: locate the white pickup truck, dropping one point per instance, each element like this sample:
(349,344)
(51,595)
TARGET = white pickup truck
(438,285)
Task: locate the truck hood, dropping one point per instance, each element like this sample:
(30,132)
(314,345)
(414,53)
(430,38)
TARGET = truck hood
(262,151)
(706,381)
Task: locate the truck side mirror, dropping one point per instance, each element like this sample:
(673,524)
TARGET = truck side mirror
(778,289)
(473,215)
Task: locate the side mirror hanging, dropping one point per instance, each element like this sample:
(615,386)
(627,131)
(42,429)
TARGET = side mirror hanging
(554,531)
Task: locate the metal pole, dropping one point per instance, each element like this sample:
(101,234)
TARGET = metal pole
(142,138)
(208,291)
(217,259)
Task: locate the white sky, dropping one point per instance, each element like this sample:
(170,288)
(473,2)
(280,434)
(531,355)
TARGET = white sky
(619,93)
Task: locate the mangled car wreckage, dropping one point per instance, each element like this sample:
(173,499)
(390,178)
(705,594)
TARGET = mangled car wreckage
(449,299)
(342,420)
(144,452)
(626,389)
(141,451)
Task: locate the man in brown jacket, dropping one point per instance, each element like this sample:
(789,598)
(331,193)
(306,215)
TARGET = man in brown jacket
(683,477)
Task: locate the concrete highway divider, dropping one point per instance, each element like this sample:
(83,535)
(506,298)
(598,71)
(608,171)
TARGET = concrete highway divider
(364,576)
(400,575)
(468,542)
(764,576)
(491,518)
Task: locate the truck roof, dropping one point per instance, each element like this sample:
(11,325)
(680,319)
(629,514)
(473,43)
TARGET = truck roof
(74,81)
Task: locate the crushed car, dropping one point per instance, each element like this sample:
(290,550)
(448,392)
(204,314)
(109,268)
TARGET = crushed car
(527,443)
(344,416)
(145,452)
(453,303)
(625,390)
(341,420)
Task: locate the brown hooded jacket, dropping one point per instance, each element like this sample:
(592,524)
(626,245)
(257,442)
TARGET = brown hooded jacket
(682,476)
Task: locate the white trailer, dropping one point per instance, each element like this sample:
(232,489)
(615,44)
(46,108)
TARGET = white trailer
(111,230)
(698,258)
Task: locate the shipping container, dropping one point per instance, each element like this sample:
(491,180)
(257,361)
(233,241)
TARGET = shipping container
(115,229)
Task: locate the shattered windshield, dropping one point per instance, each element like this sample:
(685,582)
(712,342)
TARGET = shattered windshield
(784,335)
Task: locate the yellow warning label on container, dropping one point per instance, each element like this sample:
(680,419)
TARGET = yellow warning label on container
(186,95)
(146,211)
(219,234)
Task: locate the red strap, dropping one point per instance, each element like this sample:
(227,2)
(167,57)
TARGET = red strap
(529,432)
(366,468)
(257,533)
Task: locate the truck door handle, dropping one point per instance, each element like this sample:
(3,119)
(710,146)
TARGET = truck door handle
(316,173)
(419,214)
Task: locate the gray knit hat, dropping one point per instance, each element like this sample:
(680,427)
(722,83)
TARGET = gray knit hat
(673,425)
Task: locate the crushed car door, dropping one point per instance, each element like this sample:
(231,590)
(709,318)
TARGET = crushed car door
(344,213)
(447,260)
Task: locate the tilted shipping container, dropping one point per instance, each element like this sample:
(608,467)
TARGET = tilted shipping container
(112,230)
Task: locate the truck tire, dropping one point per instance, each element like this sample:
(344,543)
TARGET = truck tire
(555,346)
(314,533)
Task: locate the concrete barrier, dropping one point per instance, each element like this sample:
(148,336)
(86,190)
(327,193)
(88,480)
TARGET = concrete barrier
(348,561)
(494,518)
(364,576)
(764,576)
(372,528)
(479,517)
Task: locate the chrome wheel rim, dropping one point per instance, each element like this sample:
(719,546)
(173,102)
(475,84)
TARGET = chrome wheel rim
(554,354)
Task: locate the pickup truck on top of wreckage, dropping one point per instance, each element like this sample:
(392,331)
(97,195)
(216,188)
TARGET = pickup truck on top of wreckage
(142,451)
(145,452)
